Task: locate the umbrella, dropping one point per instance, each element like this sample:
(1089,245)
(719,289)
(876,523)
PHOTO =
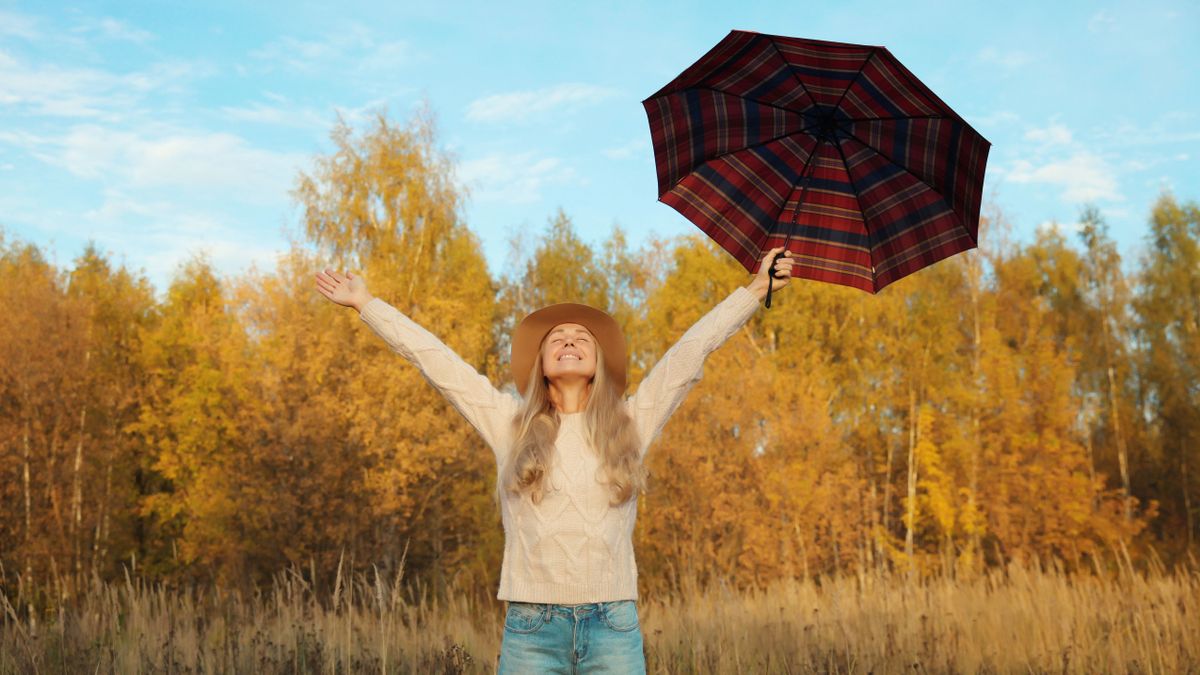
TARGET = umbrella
(833,150)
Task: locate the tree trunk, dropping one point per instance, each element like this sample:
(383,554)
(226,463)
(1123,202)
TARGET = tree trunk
(912,477)
(100,539)
(976,387)
(1122,453)
(25,480)
(887,492)
(76,524)
(1092,468)
(1187,497)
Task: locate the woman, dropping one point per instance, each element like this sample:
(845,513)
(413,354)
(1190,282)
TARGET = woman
(569,456)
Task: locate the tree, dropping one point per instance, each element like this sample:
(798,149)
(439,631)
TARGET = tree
(194,357)
(1168,329)
(385,202)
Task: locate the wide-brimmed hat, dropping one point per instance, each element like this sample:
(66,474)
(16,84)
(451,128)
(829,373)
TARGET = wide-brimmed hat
(527,339)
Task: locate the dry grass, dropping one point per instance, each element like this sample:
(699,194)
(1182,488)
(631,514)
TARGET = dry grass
(1018,620)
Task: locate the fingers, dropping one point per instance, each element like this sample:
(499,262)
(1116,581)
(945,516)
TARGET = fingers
(781,267)
(329,282)
(331,277)
(782,264)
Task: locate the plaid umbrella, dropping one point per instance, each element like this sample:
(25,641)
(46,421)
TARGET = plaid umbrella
(835,150)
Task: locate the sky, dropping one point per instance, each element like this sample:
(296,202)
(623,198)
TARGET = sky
(162,129)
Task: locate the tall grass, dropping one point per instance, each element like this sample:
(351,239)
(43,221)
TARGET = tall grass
(1013,620)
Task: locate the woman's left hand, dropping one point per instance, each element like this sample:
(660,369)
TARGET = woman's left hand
(783,266)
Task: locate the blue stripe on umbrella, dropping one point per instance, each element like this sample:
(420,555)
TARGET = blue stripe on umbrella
(883,173)
(785,169)
(878,96)
(753,129)
(770,84)
(823,74)
(840,237)
(830,185)
(735,196)
(908,221)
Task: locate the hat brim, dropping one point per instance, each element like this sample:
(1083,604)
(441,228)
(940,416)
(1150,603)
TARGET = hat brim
(527,339)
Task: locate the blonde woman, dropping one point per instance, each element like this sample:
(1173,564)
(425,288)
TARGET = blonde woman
(569,457)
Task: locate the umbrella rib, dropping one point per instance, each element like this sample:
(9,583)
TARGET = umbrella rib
(897,117)
(788,65)
(719,155)
(838,105)
(752,100)
(800,198)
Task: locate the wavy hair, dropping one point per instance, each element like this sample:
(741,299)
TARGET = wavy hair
(609,431)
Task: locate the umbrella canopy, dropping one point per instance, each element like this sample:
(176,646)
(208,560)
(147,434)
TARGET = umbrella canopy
(835,150)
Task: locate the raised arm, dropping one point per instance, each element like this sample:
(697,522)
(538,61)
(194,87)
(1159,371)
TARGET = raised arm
(487,409)
(669,381)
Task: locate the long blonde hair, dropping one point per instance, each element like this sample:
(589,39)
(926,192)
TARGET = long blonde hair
(609,430)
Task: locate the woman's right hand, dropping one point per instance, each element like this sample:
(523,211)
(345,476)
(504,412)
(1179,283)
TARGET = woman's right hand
(347,290)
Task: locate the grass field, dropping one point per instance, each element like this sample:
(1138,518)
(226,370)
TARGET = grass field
(1014,620)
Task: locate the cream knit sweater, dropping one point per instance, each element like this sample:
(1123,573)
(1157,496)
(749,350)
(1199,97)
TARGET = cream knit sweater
(572,547)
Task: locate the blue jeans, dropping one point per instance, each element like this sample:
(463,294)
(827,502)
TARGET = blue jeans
(596,637)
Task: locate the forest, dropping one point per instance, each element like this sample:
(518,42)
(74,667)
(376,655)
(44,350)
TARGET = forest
(1033,402)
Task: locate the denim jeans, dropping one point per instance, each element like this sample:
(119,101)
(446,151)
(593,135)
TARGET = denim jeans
(596,637)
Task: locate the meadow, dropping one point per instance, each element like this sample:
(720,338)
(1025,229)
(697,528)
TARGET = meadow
(1017,619)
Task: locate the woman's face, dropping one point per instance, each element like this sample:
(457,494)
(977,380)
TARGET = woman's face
(569,351)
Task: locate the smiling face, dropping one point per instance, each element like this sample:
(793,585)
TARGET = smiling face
(569,352)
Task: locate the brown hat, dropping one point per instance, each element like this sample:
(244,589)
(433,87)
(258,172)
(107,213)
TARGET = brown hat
(527,339)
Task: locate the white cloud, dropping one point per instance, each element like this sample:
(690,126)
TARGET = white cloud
(50,90)
(1055,134)
(196,163)
(1102,20)
(1133,164)
(1010,59)
(995,119)
(1083,177)
(519,106)
(1171,128)
(513,179)
(160,234)
(627,150)
(278,115)
(350,51)
(17,25)
(115,29)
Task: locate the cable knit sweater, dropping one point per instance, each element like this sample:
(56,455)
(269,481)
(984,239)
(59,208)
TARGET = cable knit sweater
(573,547)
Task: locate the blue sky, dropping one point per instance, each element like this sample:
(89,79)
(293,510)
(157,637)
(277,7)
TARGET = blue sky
(162,128)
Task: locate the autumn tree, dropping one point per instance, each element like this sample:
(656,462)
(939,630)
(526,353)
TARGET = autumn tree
(192,423)
(69,385)
(1168,329)
(384,204)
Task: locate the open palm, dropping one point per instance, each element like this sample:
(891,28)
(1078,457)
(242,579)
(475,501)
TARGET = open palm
(344,289)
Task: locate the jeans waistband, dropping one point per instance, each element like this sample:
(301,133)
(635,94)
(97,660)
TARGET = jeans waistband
(572,611)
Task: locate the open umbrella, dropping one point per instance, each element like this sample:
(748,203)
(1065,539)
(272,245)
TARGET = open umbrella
(835,150)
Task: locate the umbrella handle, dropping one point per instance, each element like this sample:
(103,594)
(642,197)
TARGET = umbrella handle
(773,276)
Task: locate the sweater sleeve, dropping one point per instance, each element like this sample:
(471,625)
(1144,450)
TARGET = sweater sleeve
(489,410)
(669,381)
